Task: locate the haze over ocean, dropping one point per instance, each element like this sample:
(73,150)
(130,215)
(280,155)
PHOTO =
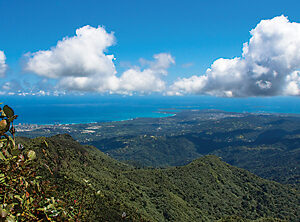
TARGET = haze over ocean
(86,109)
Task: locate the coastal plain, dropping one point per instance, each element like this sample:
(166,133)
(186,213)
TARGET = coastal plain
(267,145)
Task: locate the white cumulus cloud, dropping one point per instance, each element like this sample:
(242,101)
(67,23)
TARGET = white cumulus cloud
(80,63)
(78,56)
(268,66)
(133,80)
(3,66)
(149,79)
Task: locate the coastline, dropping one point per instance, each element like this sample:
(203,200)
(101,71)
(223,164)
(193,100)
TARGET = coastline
(72,110)
(34,126)
(167,112)
(27,127)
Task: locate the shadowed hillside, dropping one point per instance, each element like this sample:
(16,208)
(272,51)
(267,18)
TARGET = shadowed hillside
(205,190)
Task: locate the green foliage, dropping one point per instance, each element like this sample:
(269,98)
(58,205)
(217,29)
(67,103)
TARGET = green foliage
(24,195)
(265,144)
(9,112)
(205,190)
(94,187)
(84,179)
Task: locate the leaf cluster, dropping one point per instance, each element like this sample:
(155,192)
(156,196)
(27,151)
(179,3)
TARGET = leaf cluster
(24,195)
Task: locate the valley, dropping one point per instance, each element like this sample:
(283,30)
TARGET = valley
(265,144)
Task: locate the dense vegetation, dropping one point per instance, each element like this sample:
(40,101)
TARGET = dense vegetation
(205,190)
(74,182)
(24,195)
(267,145)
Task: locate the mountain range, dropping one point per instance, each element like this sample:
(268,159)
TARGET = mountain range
(206,189)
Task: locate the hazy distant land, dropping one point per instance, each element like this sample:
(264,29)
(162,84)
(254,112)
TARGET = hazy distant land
(266,144)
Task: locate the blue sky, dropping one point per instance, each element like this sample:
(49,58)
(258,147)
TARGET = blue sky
(194,33)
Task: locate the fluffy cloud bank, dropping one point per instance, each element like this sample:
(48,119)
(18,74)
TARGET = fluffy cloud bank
(132,80)
(269,66)
(149,79)
(3,65)
(80,63)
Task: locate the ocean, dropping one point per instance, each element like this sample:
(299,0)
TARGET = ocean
(87,109)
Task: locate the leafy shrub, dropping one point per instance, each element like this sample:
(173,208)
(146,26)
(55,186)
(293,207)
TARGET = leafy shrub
(24,195)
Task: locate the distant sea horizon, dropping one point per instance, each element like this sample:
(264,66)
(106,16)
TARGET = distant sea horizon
(44,110)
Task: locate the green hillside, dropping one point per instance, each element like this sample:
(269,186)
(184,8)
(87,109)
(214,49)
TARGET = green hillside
(265,144)
(205,190)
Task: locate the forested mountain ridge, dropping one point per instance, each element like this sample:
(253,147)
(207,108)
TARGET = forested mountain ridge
(207,189)
(265,144)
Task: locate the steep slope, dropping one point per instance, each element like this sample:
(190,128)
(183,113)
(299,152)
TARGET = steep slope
(205,190)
